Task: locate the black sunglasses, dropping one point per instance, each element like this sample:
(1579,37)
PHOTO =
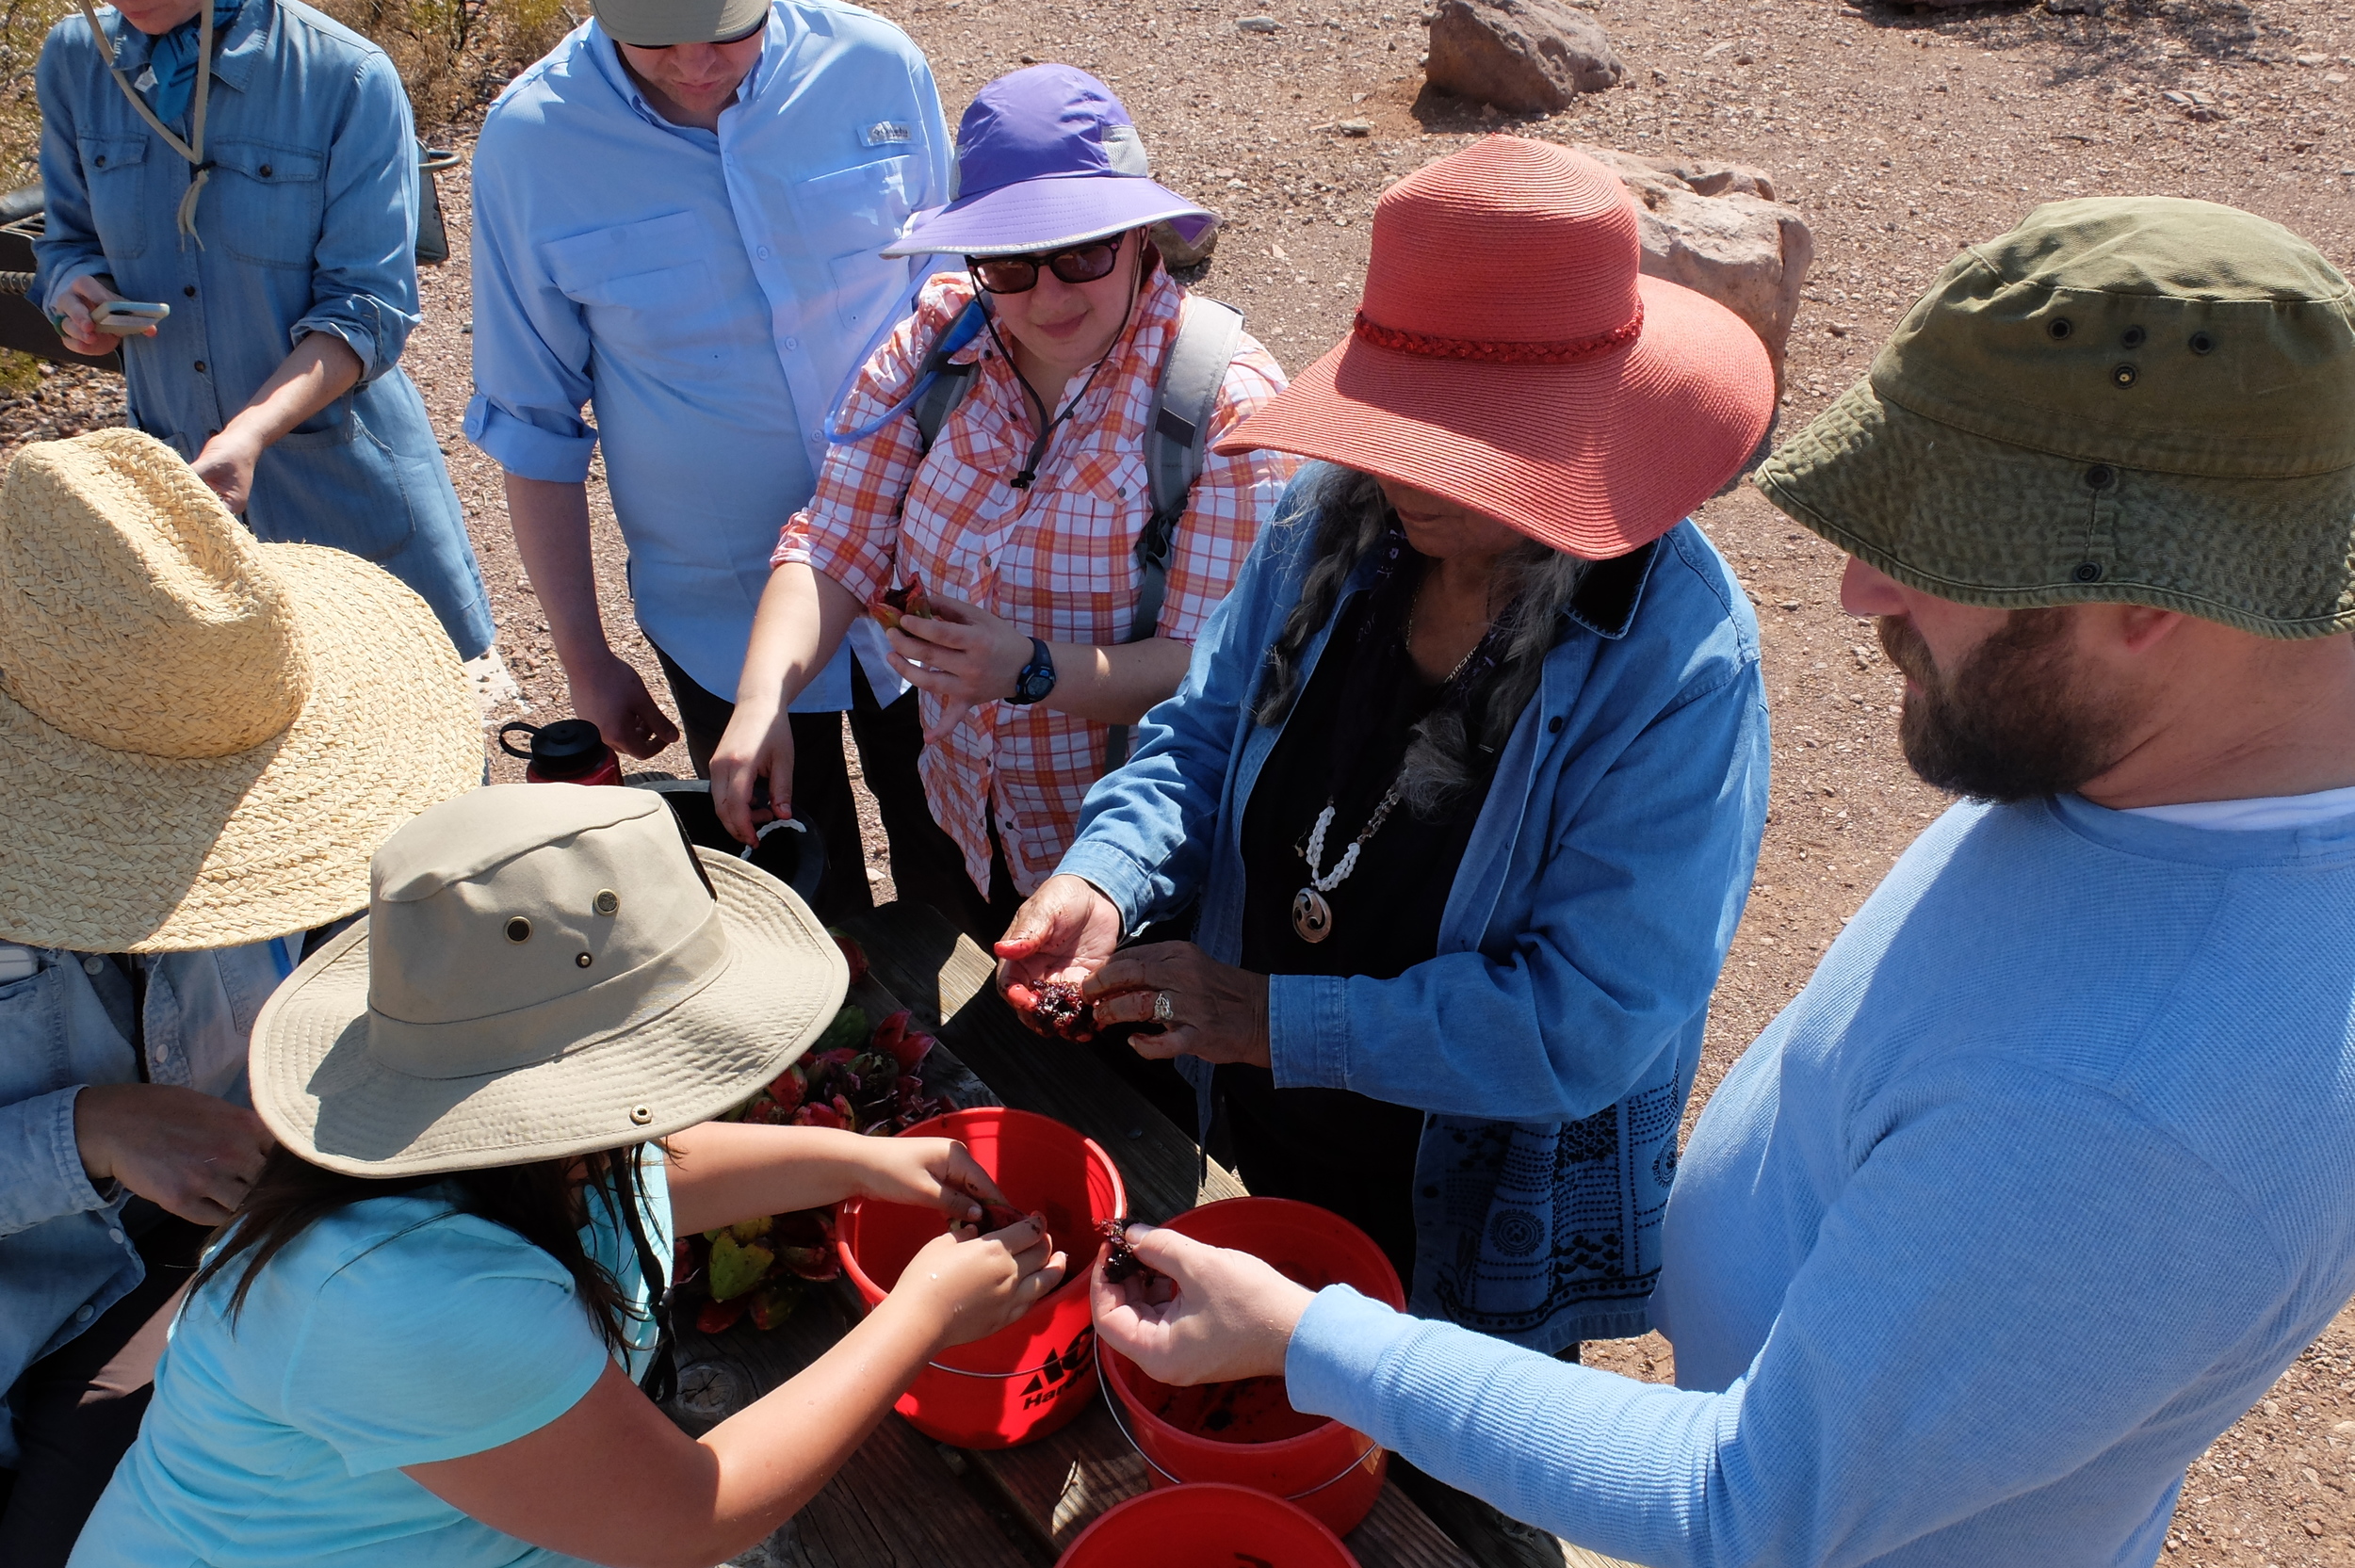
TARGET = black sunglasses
(1081,264)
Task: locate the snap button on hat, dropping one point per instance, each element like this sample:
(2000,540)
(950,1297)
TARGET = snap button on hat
(2125,375)
(607,901)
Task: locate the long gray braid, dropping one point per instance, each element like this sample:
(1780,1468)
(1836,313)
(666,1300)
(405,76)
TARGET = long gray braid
(1451,749)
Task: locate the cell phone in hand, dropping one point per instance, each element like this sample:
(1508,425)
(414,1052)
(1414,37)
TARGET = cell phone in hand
(122,317)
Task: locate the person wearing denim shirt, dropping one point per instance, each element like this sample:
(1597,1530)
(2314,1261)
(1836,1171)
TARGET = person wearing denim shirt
(1463,1012)
(90,1270)
(677,219)
(301,238)
(203,736)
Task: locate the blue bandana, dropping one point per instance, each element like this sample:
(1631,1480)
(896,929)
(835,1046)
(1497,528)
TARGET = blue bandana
(172,62)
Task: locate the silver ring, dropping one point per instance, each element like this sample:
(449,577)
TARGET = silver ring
(1162,1011)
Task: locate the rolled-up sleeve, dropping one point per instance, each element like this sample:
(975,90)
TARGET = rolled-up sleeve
(40,1163)
(364,277)
(68,247)
(849,530)
(531,345)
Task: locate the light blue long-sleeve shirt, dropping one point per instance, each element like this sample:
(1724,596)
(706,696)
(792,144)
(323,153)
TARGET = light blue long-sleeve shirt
(308,224)
(2043,1179)
(1554,1036)
(65,1253)
(711,294)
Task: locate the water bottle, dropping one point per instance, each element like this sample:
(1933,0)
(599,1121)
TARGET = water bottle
(571,750)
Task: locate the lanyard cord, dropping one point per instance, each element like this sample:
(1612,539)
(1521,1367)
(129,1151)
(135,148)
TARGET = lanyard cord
(192,149)
(1046,426)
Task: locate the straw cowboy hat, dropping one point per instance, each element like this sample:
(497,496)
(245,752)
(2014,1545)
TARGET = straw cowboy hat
(545,970)
(1509,355)
(202,737)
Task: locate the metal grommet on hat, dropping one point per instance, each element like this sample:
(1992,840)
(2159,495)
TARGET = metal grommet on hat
(2134,337)
(2088,572)
(642,1114)
(2101,477)
(607,901)
(2202,343)
(519,930)
(2060,328)
(2125,375)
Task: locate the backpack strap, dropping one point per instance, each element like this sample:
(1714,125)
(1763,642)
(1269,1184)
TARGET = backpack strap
(1196,368)
(930,411)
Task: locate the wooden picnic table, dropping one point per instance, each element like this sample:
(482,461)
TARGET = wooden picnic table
(903,1500)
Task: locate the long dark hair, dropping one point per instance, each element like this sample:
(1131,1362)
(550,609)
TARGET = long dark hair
(1452,748)
(544,1201)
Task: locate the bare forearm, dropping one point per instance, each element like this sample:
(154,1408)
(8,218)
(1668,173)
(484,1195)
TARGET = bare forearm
(551,523)
(1116,685)
(723,1171)
(774,1455)
(804,614)
(321,369)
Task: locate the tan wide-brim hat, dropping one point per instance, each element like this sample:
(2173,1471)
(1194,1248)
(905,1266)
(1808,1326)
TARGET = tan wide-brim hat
(660,24)
(543,972)
(202,737)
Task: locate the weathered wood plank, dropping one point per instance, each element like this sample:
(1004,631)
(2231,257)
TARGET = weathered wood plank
(940,973)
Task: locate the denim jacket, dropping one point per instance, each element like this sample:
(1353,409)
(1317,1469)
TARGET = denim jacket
(65,1254)
(1553,1039)
(306,225)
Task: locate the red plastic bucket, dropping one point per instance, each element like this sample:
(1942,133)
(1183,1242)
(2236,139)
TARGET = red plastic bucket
(1206,1527)
(1247,1433)
(1028,1379)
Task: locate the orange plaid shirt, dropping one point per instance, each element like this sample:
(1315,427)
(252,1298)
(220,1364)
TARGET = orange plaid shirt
(1054,559)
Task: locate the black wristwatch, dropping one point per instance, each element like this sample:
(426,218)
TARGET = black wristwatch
(1037,678)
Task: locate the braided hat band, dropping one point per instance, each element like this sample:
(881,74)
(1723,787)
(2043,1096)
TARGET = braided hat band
(1499,351)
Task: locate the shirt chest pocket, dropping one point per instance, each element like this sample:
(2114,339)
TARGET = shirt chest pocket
(1088,530)
(643,289)
(115,168)
(33,1055)
(846,217)
(265,203)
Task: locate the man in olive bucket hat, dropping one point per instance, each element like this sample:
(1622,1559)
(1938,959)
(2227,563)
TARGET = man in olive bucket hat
(2050,1170)
(202,740)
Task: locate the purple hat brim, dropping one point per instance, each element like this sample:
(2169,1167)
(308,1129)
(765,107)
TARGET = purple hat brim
(1050,213)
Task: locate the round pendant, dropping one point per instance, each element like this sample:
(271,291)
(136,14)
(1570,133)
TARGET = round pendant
(1312,917)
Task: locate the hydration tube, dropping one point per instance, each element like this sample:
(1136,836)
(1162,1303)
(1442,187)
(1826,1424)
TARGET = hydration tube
(967,326)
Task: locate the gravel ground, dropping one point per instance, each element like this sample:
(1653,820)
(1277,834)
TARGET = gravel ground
(1900,134)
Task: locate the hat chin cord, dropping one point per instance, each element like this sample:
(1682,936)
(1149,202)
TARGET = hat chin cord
(1046,426)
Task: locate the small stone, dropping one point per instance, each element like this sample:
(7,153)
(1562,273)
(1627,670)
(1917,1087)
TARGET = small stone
(1521,56)
(1027,60)
(2336,79)
(2311,59)
(1259,25)
(2314,1526)
(2343,1428)
(1356,127)
(1746,57)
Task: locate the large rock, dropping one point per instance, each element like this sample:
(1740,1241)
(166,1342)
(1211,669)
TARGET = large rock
(1523,55)
(1717,229)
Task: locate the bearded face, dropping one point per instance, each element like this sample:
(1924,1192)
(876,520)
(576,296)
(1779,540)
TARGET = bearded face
(2014,719)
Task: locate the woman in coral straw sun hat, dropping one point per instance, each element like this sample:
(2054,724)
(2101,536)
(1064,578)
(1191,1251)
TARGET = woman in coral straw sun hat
(1466,785)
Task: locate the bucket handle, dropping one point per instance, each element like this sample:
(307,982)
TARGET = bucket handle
(1112,1402)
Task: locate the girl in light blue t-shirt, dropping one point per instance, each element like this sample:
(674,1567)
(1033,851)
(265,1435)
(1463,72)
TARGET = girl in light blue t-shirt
(420,1341)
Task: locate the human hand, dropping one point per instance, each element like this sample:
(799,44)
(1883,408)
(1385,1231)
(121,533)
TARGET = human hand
(969,1286)
(1064,932)
(613,695)
(1215,1315)
(756,749)
(226,464)
(1216,1012)
(71,317)
(185,1150)
(938,1173)
(961,653)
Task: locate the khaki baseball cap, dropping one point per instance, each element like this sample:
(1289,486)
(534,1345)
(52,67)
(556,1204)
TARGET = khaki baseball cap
(545,970)
(2139,400)
(659,24)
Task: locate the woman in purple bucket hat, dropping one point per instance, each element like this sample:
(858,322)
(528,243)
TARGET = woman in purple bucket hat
(1031,449)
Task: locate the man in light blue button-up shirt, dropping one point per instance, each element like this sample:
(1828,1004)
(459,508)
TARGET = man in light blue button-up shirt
(677,216)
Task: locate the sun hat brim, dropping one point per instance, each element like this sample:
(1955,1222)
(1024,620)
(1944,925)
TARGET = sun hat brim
(681,1060)
(1594,456)
(1968,518)
(1048,212)
(112,852)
